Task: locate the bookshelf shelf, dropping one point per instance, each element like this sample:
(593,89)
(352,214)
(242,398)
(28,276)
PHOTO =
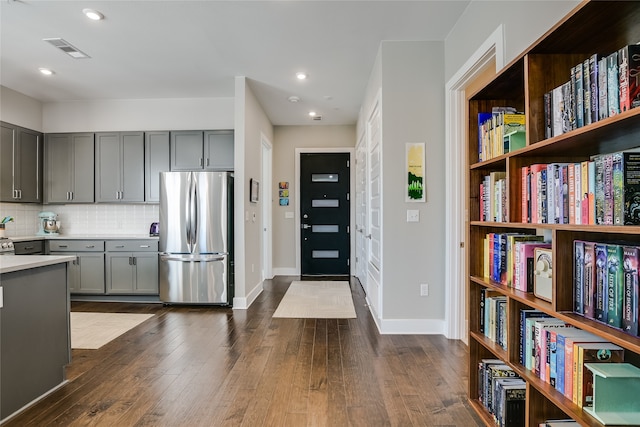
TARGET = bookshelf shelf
(522,84)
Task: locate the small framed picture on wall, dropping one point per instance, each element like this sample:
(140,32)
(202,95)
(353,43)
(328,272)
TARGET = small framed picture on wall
(254,191)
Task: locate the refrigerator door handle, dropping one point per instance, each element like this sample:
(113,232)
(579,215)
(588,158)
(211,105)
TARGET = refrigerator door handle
(189,219)
(193,258)
(194,214)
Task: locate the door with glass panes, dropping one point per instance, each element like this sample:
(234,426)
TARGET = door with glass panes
(324,213)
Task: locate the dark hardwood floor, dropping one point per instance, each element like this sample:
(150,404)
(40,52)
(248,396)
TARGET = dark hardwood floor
(206,366)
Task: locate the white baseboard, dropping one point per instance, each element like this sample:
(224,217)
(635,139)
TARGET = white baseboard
(285,272)
(243,303)
(407,326)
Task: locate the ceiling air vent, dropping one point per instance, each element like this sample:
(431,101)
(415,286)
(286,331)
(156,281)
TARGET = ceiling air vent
(316,118)
(67,48)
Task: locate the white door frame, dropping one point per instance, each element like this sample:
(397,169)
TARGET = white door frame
(456,166)
(352,214)
(267,209)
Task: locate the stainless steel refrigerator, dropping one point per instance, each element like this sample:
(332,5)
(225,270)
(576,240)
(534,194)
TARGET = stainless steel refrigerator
(196,237)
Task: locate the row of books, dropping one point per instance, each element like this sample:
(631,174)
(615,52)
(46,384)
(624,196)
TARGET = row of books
(556,352)
(605,278)
(601,86)
(500,131)
(502,392)
(509,259)
(493,197)
(604,190)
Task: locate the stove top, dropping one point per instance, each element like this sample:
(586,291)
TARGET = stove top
(6,246)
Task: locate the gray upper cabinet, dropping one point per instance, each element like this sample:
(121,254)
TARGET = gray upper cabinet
(20,164)
(119,159)
(69,166)
(201,150)
(156,160)
(218,150)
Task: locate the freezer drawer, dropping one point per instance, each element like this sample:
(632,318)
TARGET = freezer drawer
(194,280)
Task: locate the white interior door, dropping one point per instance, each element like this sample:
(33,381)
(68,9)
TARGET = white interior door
(374,220)
(361,208)
(267,194)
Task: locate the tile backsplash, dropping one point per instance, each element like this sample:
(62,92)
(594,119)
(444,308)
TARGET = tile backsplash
(89,219)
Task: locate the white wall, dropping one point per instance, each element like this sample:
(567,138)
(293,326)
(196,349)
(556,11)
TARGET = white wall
(138,114)
(20,110)
(523,23)
(412,100)
(286,140)
(250,124)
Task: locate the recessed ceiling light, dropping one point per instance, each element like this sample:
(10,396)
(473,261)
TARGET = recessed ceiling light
(46,71)
(312,113)
(93,14)
(294,99)
(301,76)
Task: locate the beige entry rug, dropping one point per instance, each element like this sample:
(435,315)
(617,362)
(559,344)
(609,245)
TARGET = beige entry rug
(93,330)
(317,300)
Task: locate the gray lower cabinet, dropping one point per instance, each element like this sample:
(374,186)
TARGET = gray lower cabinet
(29,247)
(86,273)
(69,168)
(132,267)
(156,160)
(202,150)
(20,164)
(119,160)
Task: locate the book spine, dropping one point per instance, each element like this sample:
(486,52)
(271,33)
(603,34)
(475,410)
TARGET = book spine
(631,191)
(613,84)
(630,303)
(586,76)
(579,95)
(551,192)
(617,182)
(548,114)
(608,189)
(623,78)
(589,280)
(603,103)
(578,274)
(565,194)
(634,72)
(557,105)
(572,100)
(599,189)
(572,192)
(584,192)
(524,194)
(593,71)
(601,282)
(592,192)
(615,285)
(577,172)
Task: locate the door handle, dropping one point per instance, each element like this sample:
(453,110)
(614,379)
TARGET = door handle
(368,236)
(305,226)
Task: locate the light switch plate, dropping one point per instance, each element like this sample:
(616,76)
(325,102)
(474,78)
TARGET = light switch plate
(288,215)
(413,215)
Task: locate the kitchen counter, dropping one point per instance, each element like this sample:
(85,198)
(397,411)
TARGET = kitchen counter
(13,263)
(34,328)
(84,237)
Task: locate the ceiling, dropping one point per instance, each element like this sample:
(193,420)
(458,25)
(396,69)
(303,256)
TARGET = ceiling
(194,49)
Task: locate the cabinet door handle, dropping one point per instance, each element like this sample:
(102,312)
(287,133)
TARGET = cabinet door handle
(145,246)
(134,260)
(201,161)
(63,246)
(90,246)
(28,248)
(208,161)
(19,194)
(119,246)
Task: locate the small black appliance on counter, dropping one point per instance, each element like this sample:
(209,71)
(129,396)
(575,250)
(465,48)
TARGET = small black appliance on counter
(154,230)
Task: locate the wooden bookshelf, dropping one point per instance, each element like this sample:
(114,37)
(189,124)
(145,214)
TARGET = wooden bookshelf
(592,27)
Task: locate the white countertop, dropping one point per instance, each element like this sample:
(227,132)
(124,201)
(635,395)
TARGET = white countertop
(84,237)
(11,263)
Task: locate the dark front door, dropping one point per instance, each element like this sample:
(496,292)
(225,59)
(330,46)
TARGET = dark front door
(324,215)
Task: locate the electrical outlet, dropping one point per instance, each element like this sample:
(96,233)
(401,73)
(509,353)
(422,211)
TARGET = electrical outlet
(424,289)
